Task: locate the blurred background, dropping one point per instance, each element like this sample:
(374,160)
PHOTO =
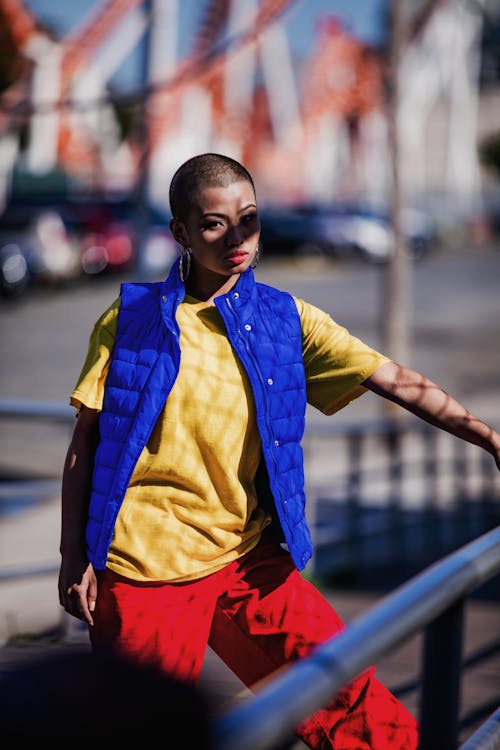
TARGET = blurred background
(362,122)
(372,130)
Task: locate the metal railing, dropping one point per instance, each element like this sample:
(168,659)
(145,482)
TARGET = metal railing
(487,737)
(434,600)
(27,408)
(394,492)
(17,490)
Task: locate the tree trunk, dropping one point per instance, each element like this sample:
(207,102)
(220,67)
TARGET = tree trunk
(396,277)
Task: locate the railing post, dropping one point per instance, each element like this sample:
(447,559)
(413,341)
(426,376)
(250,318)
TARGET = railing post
(354,474)
(463,523)
(440,696)
(395,477)
(432,528)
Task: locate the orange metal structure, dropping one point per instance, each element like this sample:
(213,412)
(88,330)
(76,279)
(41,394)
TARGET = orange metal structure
(341,76)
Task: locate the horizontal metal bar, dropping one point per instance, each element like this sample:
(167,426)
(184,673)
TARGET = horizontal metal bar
(376,426)
(28,571)
(270,716)
(487,737)
(32,488)
(25,408)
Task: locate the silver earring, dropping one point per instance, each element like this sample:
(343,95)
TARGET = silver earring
(184,256)
(256,259)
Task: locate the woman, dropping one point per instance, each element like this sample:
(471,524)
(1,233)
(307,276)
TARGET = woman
(184,476)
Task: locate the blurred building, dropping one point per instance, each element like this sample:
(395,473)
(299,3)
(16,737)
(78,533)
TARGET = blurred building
(311,132)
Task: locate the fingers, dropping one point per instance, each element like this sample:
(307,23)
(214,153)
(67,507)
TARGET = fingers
(77,604)
(79,601)
(78,598)
(85,613)
(92,595)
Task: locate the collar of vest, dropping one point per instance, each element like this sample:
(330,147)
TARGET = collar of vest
(241,299)
(173,291)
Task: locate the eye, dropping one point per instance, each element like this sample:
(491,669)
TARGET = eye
(249,218)
(212,224)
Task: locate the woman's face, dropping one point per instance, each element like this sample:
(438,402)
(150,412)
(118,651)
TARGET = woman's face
(222,229)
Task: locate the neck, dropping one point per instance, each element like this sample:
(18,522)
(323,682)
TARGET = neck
(210,286)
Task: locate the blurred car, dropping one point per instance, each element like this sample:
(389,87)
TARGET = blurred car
(15,275)
(65,236)
(342,230)
(157,252)
(290,232)
(119,235)
(367,232)
(110,249)
(52,252)
(35,248)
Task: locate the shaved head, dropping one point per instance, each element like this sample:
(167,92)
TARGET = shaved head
(198,173)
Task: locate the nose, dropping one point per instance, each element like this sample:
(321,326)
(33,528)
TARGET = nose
(234,236)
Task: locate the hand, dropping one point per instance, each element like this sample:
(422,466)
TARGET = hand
(78,588)
(496,456)
(494,447)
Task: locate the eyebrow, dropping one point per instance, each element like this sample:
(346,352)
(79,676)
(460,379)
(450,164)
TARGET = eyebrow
(216,213)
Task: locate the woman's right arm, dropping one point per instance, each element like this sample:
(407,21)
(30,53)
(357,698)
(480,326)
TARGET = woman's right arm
(77,580)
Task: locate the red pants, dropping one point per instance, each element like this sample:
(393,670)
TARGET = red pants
(257,614)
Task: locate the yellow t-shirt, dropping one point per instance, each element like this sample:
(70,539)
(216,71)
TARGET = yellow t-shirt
(191,505)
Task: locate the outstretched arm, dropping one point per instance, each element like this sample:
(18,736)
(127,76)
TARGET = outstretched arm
(77,581)
(426,400)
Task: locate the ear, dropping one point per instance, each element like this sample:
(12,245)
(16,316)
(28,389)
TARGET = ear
(179,232)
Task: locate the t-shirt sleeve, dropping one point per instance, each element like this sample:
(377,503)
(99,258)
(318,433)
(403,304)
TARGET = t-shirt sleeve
(89,389)
(335,362)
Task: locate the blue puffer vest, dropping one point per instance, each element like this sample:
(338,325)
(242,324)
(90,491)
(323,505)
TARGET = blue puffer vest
(263,326)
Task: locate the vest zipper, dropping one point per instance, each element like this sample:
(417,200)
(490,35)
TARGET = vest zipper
(259,375)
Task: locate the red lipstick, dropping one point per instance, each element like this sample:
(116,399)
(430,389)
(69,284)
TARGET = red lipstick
(236,257)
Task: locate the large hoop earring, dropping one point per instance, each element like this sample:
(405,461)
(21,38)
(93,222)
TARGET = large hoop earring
(185,256)
(255,261)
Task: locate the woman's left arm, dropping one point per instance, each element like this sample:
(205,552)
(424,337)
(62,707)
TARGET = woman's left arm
(426,400)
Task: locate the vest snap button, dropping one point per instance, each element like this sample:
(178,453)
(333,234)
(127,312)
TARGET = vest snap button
(270,381)
(248,327)
(164,298)
(236,295)
(276,442)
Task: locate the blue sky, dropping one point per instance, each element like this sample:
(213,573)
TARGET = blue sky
(363,18)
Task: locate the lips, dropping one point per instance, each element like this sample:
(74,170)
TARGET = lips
(236,257)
